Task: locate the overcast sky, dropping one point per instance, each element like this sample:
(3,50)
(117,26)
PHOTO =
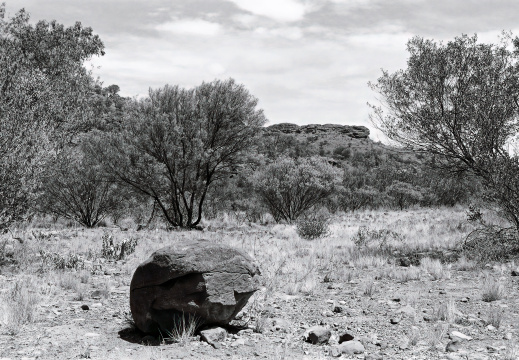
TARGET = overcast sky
(307,61)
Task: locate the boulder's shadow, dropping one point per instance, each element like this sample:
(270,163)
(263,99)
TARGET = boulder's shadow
(135,336)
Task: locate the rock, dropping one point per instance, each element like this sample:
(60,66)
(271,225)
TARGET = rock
(148,340)
(459,335)
(317,335)
(395,320)
(356,132)
(453,346)
(508,336)
(408,310)
(214,336)
(515,272)
(335,351)
(345,337)
(350,347)
(85,307)
(338,309)
(280,325)
(208,280)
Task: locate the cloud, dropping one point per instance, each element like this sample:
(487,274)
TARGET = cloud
(190,27)
(279,10)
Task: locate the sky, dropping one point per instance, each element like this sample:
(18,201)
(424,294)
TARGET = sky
(307,61)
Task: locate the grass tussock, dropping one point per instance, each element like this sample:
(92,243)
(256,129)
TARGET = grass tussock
(18,307)
(434,268)
(492,289)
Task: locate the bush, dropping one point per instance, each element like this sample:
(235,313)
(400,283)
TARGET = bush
(113,251)
(289,187)
(311,229)
(492,243)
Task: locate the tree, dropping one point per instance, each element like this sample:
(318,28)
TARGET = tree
(459,102)
(176,143)
(44,90)
(290,187)
(74,188)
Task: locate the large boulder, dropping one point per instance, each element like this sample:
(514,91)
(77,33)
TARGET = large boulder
(203,279)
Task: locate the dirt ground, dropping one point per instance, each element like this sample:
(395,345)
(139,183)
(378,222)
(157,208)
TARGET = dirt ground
(337,282)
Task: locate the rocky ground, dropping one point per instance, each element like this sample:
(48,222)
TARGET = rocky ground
(319,299)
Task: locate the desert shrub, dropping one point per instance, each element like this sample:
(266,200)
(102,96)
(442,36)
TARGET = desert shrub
(112,251)
(366,236)
(61,262)
(289,188)
(311,229)
(491,243)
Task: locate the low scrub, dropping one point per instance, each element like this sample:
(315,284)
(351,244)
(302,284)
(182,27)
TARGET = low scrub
(113,251)
(311,229)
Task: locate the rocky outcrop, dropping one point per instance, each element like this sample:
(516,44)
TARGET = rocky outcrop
(356,132)
(210,281)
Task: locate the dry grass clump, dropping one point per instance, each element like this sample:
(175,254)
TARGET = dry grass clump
(495,317)
(446,311)
(492,290)
(18,307)
(401,275)
(184,329)
(512,351)
(435,268)
(436,334)
(464,264)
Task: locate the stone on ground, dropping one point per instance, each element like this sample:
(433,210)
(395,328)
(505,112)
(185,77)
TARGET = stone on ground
(214,336)
(317,335)
(210,281)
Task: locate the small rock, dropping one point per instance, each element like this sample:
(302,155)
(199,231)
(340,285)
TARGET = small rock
(280,325)
(85,307)
(351,347)
(238,342)
(465,300)
(395,320)
(338,309)
(490,328)
(428,318)
(408,310)
(515,272)
(459,335)
(508,336)
(453,346)
(345,337)
(214,336)
(335,351)
(317,335)
(443,292)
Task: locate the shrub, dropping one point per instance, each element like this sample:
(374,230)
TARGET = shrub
(289,187)
(61,262)
(113,251)
(491,243)
(311,229)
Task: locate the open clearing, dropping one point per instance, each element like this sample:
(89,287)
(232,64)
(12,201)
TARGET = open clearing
(346,281)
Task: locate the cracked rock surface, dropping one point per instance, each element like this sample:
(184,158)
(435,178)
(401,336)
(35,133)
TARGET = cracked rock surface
(209,280)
